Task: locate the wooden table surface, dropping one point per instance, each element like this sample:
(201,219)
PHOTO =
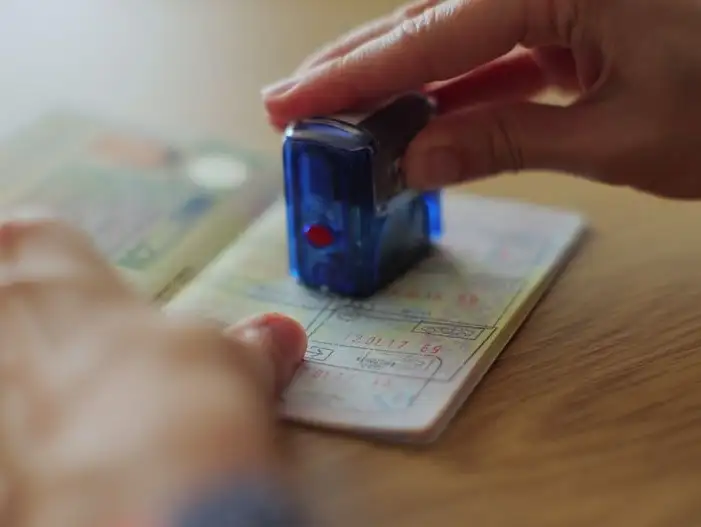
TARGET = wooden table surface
(592,416)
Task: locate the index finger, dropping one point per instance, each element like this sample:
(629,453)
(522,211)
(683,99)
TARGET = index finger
(438,44)
(365,33)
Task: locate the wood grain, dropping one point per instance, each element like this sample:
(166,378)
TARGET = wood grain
(592,416)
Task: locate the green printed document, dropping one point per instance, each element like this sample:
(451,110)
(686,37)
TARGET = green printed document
(200,227)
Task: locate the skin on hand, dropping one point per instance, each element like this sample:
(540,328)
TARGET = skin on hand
(109,407)
(633,67)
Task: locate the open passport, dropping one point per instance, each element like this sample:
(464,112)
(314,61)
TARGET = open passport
(199,225)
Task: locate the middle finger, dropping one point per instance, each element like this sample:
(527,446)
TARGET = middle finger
(515,77)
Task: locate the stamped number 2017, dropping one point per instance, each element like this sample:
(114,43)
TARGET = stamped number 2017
(376,341)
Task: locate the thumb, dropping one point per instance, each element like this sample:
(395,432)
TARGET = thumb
(275,344)
(481,142)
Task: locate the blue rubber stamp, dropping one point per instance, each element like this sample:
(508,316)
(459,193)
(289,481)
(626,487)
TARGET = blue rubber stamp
(353,225)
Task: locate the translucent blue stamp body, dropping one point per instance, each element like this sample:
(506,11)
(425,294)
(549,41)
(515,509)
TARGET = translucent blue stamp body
(353,225)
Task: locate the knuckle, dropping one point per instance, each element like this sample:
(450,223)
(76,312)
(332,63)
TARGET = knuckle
(415,8)
(503,146)
(350,87)
(412,31)
(26,222)
(411,28)
(32,231)
(549,20)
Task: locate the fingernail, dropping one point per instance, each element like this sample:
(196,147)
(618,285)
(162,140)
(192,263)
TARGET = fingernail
(287,334)
(279,88)
(280,335)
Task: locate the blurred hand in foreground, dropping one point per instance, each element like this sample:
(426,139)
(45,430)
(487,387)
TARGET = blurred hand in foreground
(111,409)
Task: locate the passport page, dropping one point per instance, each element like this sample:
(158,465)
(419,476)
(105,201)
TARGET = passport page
(400,363)
(159,209)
